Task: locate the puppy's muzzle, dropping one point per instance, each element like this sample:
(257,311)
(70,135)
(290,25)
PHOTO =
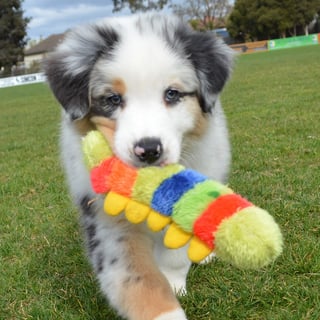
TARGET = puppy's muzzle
(148,150)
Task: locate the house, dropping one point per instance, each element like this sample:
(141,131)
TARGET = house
(224,35)
(35,54)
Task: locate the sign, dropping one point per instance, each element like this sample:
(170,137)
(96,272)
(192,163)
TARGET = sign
(20,80)
(293,42)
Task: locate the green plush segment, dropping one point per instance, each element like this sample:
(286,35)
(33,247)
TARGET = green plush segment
(149,179)
(195,201)
(250,239)
(95,149)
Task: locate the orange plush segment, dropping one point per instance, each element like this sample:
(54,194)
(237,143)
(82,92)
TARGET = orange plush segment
(223,207)
(100,175)
(121,178)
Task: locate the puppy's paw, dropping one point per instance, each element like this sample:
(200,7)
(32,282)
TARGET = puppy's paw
(178,284)
(179,288)
(209,258)
(177,314)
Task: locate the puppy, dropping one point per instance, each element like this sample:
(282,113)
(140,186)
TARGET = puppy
(151,85)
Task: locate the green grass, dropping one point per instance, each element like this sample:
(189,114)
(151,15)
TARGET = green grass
(272,105)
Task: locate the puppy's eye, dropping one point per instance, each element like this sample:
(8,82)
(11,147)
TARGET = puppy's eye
(107,105)
(114,100)
(172,96)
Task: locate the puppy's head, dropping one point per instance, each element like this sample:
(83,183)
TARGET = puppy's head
(145,81)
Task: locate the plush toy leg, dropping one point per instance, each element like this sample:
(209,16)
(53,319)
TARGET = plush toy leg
(156,222)
(114,203)
(198,250)
(136,212)
(175,237)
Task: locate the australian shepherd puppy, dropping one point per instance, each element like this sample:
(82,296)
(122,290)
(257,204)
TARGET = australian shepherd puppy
(151,85)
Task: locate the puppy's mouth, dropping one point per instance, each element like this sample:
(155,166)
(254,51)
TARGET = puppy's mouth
(159,163)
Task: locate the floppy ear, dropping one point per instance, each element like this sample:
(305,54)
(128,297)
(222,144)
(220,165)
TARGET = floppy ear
(212,60)
(68,68)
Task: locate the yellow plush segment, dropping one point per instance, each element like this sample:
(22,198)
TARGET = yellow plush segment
(136,212)
(149,179)
(198,250)
(156,221)
(250,239)
(114,203)
(175,237)
(95,149)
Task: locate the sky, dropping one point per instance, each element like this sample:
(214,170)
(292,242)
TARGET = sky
(57,16)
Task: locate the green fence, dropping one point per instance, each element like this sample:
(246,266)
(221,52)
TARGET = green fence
(293,42)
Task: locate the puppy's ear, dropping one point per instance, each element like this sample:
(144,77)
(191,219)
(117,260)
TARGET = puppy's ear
(212,60)
(68,68)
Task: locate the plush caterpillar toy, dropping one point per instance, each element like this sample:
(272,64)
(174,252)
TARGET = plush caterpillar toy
(203,212)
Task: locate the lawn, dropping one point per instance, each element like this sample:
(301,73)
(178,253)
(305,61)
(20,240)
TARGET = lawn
(272,105)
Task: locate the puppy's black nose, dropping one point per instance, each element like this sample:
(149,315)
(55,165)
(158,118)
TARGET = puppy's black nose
(148,150)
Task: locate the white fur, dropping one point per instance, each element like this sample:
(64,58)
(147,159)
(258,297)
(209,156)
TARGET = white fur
(172,315)
(210,154)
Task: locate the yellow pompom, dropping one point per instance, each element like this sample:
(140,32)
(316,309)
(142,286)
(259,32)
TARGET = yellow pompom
(250,239)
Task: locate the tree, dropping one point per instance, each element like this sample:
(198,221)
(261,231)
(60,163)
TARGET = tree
(253,20)
(302,13)
(204,14)
(12,34)
(138,5)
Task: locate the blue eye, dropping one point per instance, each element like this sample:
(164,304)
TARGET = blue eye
(172,96)
(107,104)
(114,100)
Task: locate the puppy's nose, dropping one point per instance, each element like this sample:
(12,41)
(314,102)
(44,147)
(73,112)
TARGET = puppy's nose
(148,150)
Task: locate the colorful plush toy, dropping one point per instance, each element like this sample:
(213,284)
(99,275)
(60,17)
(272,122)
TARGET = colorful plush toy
(205,213)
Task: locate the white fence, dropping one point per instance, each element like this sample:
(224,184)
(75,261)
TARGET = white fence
(20,80)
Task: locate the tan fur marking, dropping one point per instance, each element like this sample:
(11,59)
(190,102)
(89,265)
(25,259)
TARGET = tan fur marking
(201,121)
(105,126)
(119,86)
(148,293)
(84,126)
(201,125)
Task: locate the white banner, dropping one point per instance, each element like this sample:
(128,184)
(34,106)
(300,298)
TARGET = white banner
(24,79)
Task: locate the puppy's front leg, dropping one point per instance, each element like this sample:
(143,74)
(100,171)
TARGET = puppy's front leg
(128,275)
(174,264)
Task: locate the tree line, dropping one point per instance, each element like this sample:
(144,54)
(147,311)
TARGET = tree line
(246,20)
(12,34)
(252,20)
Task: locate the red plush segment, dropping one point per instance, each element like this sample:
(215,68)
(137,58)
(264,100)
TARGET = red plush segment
(99,176)
(221,208)
(121,178)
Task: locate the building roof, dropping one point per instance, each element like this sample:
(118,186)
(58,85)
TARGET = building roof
(45,45)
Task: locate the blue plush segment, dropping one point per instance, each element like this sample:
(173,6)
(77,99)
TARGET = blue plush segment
(171,190)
